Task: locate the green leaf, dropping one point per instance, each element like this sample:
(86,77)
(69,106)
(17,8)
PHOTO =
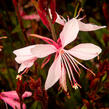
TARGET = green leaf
(104,77)
(16,29)
(36,105)
(84,107)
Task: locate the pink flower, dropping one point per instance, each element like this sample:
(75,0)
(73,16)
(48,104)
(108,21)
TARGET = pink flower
(11,98)
(24,57)
(82,26)
(24,16)
(31,17)
(64,59)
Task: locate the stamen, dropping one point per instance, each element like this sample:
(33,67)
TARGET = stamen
(63,60)
(80,10)
(71,72)
(71,61)
(63,18)
(68,18)
(98,57)
(19,76)
(25,71)
(46,60)
(83,66)
(82,18)
(76,85)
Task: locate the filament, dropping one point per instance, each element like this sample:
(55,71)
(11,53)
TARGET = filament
(70,70)
(82,65)
(71,61)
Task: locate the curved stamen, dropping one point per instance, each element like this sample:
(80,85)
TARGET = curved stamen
(70,68)
(48,40)
(82,65)
(19,76)
(80,10)
(72,63)
(70,71)
(82,18)
(64,61)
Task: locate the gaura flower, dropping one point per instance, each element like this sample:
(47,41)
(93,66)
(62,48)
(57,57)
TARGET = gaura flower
(64,59)
(11,98)
(24,57)
(32,16)
(82,26)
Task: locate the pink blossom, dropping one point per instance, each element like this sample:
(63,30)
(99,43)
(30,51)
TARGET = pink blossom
(82,26)
(32,16)
(24,57)
(64,59)
(11,98)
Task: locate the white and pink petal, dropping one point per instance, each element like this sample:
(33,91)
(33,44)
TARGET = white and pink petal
(10,94)
(24,51)
(26,94)
(88,26)
(69,32)
(24,54)
(13,103)
(43,50)
(26,64)
(85,51)
(54,73)
(59,20)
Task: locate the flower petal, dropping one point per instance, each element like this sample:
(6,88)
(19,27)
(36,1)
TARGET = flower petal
(69,32)
(54,73)
(10,94)
(24,54)
(26,64)
(14,104)
(59,20)
(24,51)
(14,95)
(63,79)
(26,94)
(31,17)
(88,27)
(43,50)
(85,51)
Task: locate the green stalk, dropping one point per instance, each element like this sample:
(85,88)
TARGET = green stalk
(52,28)
(75,13)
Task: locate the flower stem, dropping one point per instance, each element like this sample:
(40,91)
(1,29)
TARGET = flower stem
(21,103)
(52,28)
